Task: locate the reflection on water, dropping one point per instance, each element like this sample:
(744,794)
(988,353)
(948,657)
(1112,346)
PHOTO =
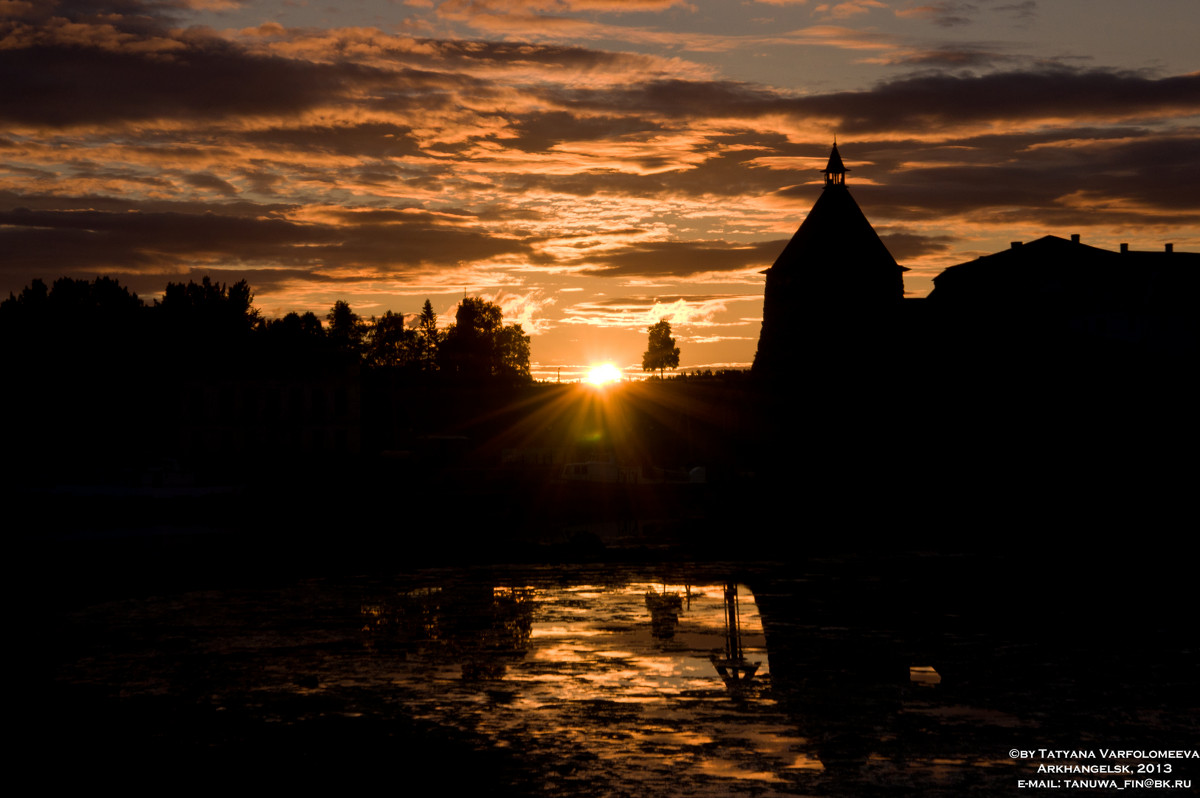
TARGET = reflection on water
(735,669)
(617,677)
(595,683)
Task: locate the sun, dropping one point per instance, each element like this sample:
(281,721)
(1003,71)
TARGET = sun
(604,374)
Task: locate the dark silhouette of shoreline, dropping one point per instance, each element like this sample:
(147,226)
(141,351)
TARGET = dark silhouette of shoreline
(125,420)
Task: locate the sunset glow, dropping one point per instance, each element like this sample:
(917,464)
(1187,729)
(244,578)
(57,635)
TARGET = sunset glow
(589,167)
(604,374)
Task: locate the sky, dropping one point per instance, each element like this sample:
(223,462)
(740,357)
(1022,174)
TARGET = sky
(592,166)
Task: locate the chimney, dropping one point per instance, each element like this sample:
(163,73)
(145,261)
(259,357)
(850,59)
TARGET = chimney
(1074,238)
(1015,244)
(1170,247)
(1124,249)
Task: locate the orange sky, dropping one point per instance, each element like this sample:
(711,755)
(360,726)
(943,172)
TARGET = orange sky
(591,165)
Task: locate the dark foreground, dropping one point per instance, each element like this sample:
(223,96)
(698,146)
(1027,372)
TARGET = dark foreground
(928,600)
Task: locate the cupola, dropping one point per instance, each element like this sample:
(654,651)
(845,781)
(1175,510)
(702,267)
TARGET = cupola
(835,171)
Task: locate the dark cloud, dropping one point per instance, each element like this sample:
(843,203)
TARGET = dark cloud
(61,85)
(464,53)
(203,180)
(677,99)
(262,180)
(686,258)
(82,63)
(370,139)
(541,131)
(955,13)
(918,103)
(945,14)
(1124,178)
(726,171)
(10,200)
(73,242)
(138,17)
(905,245)
(1021,11)
(958,57)
(220,76)
(915,103)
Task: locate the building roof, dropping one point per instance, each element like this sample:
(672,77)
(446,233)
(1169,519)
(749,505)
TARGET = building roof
(1068,272)
(1052,284)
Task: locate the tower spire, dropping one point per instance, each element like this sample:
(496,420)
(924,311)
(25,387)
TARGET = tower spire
(835,171)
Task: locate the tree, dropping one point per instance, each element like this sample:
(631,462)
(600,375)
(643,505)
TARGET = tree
(479,345)
(73,320)
(295,327)
(293,342)
(512,353)
(345,327)
(428,338)
(205,317)
(214,308)
(662,354)
(389,342)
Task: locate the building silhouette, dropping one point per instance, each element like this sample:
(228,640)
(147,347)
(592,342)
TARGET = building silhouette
(834,301)
(832,288)
(1052,293)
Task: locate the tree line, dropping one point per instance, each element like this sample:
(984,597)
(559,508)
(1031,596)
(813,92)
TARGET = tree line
(210,322)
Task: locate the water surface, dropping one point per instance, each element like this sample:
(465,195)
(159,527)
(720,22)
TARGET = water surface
(591,681)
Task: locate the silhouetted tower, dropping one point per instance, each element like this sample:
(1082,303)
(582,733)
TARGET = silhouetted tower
(835,171)
(831,288)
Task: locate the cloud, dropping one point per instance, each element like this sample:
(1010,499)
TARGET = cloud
(203,180)
(686,258)
(637,313)
(905,245)
(348,243)
(945,14)
(542,130)
(527,309)
(367,139)
(560,6)
(949,102)
(850,8)
(60,85)
(1027,9)
(939,102)
(958,57)
(1083,178)
(954,13)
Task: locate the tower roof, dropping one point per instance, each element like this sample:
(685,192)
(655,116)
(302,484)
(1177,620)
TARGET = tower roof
(835,249)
